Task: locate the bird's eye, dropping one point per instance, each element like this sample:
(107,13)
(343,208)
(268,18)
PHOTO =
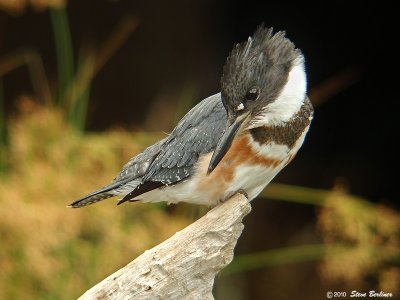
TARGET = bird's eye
(253,94)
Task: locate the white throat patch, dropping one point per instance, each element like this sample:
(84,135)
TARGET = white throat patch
(289,101)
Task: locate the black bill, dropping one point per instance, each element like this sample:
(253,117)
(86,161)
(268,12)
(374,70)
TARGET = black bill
(226,141)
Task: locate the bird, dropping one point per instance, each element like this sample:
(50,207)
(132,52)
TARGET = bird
(236,140)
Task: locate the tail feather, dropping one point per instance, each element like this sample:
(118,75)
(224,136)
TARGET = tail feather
(87,200)
(99,195)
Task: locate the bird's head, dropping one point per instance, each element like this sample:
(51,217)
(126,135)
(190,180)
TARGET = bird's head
(263,84)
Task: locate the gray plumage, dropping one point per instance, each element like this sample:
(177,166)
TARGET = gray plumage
(197,133)
(171,159)
(263,61)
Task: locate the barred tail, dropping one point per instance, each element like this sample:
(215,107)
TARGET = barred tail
(100,195)
(87,200)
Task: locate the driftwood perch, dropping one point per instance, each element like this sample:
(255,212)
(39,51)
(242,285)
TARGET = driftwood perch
(185,265)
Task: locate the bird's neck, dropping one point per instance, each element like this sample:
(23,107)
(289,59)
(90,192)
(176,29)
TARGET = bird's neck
(285,133)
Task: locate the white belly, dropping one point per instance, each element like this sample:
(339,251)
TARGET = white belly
(220,184)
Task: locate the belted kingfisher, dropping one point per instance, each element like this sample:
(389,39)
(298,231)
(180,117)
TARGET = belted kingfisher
(236,140)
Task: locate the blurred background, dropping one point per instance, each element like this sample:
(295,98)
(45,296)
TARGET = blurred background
(84,85)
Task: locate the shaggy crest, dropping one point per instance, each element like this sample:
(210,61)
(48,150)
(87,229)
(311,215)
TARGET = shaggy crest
(263,60)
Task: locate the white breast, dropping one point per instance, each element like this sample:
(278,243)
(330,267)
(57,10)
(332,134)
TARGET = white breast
(253,179)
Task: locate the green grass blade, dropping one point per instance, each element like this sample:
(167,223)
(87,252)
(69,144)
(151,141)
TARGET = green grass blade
(64,51)
(295,254)
(82,105)
(79,91)
(3,132)
(297,194)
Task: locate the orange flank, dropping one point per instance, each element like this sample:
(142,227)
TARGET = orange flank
(240,153)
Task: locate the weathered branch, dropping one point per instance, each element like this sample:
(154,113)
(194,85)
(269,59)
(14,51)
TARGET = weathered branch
(185,265)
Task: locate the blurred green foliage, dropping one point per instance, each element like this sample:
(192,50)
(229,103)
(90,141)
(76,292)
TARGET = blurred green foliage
(370,238)
(51,252)
(360,246)
(3,133)
(47,250)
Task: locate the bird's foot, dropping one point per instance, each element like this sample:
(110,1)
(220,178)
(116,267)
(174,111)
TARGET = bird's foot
(241,191)
(244,193)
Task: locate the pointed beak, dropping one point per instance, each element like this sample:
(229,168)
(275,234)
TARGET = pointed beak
(232,128)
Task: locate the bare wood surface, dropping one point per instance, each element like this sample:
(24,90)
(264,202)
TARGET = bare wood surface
(185,265)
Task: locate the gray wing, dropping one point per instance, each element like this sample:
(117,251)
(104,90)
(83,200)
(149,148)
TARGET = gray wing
(171,159)
(138,165)
(197,133)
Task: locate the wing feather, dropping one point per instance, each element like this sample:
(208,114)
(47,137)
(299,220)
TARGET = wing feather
(197,133)
(170,160)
